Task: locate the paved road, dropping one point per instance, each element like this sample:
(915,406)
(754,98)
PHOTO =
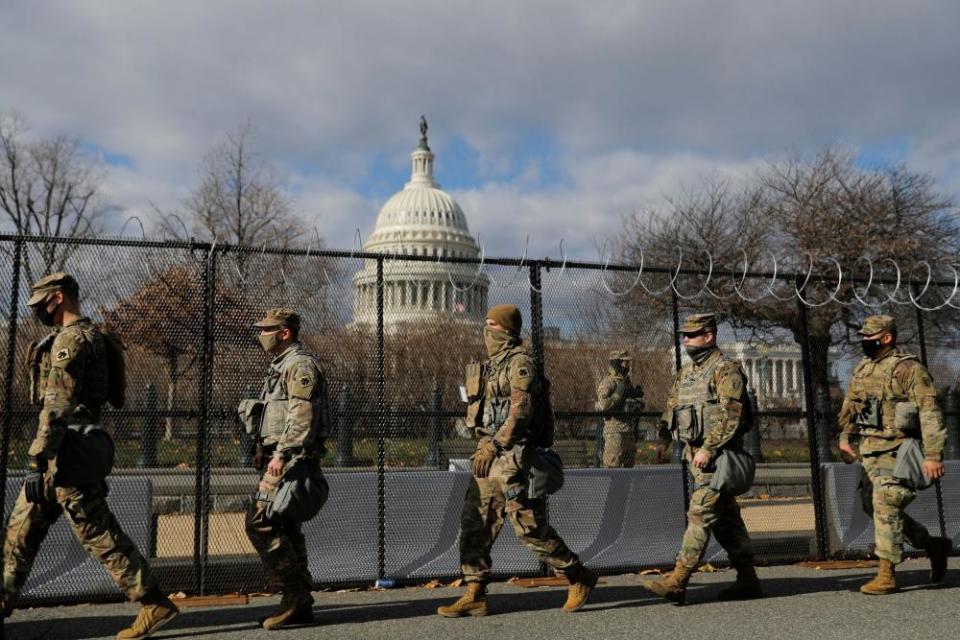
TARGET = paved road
(801,603)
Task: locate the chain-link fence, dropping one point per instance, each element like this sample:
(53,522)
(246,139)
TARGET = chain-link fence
(394,334)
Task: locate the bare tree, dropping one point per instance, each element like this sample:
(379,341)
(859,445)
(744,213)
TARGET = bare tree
(817,211)
(48,187)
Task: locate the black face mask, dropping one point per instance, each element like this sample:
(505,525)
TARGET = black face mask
(871,347)
(44,316)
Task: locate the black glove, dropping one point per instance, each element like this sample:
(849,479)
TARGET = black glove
(259,458)
(33,483)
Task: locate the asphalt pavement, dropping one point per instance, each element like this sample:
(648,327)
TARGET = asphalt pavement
(800,603)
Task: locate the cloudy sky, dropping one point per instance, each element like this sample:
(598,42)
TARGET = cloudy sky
(550,119)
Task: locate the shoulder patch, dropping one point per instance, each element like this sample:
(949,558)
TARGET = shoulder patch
(62,354)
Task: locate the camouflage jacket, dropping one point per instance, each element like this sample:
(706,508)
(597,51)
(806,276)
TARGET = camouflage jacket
(509,385)
(613,394)
(708,399)
(890,399)
(296,417)
(72,384)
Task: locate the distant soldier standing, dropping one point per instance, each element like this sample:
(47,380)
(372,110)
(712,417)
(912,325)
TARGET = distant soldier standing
(73,382)
(503,394)
(891,399)
(293,426)
(617,394)
(707,410)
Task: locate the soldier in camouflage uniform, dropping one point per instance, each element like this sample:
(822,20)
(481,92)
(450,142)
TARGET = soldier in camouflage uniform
(503,394)
(891,398)
(707,410)
(72,388)
(617,394)
(293,428)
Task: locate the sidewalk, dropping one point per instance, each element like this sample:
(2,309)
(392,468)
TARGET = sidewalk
(801,603)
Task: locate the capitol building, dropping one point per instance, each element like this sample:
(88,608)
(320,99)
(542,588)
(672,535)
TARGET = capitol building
(421,220)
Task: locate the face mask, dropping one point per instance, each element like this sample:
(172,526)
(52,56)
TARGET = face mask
(44,316)
(871,347)
(496,341)
(269,341)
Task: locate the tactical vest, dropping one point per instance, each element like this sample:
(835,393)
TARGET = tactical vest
(697,402)
(275,397)
(883,408)
(496,393)
(94,382)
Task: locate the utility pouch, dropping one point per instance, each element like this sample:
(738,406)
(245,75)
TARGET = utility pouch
(85,457)
(869,414)
(733,473)
(686,423)
(35,366)
(545,473)
(906,418)
(474,395)
(250,412)
(909,467)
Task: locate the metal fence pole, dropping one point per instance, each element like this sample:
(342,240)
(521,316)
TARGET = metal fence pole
(433,428)
(202,489)
(677,455)
(921,336)
(381,430)
(344,429)
(8,384)
(951,410)
(536,314)
(149,428)
(753,436)
(819,510)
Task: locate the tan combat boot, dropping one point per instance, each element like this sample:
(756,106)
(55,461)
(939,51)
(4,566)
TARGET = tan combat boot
(746,587)
(295,608)
(885,581)
(156,610)
(938,550)
(582,580)
(472,603)
(673,586)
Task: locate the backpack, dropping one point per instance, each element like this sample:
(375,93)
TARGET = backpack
(543,415)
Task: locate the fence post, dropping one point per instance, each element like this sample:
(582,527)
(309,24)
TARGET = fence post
(816,483)
(344,429)
(923,359)
(433,428)
(8,382)
(381,429)
(822,411)
(247,441)
(598,456)
(753,436)
(201,513)
(149,428)
(951,417)
(677,445)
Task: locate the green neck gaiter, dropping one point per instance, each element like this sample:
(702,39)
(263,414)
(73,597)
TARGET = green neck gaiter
(699,354)
(496,341)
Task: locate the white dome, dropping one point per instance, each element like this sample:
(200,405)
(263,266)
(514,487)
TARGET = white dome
(422,220)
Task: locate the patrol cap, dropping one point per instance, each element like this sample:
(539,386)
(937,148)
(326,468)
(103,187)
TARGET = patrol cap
(696,322)
(507,316)
(280,317)
(620,355)
(59,280)
(877,324)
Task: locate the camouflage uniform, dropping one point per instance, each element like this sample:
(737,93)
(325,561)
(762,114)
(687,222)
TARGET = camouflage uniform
(706,409)
(72,387)
(509,386)
(293,428)
(617,394)
(891,398)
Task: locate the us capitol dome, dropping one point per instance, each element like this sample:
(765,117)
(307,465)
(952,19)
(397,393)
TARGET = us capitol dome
(421,220)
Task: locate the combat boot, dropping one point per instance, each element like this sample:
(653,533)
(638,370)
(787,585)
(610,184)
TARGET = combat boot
(746,586)
(472,603)
(156,610)
(938,550)
(295,608)
(582,580)
(673,586)
(885,581)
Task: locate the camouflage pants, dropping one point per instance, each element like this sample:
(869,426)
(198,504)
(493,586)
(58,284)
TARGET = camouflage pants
(713,512)
(884,499)
(279,543)
(484,506)
(92,523)
(619,449)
